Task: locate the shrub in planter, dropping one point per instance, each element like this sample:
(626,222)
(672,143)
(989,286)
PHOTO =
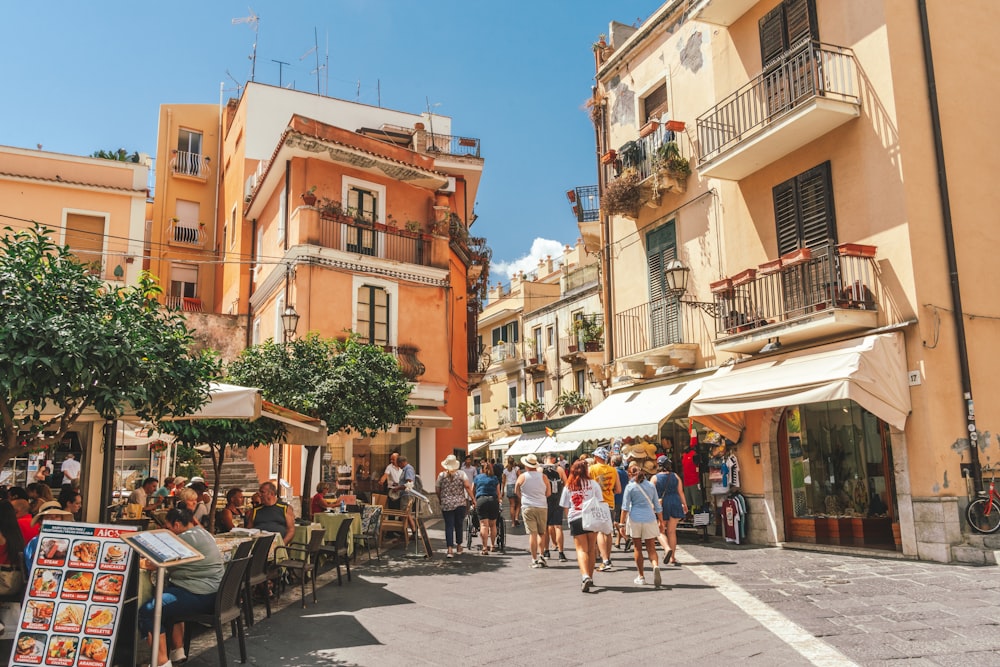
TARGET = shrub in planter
(622,195)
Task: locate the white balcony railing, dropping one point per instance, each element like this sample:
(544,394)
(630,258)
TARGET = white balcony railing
(186,163)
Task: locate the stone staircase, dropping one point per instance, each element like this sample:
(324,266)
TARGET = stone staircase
(978,550)
(234,473)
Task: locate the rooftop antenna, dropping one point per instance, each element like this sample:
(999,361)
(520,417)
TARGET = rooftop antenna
(239,86)
(281,67)
(254,21)
(430,116)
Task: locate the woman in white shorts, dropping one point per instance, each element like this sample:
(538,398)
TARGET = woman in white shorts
(643,519)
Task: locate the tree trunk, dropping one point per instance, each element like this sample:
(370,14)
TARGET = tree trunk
(218,456)
(307,482)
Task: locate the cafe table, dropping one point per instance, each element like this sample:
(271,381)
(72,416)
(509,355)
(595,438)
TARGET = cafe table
(227,543)
(330,521)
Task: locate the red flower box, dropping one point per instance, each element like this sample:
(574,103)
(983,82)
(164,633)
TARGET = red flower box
(744,277)
(609,157)
(649,128)
(796,257)
(675,125)
(721,286)
(856,250)
(767,268)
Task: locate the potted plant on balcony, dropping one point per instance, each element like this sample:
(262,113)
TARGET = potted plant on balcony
(622,196)
(572,402)
(668,158)
(591,332)
(309,196)
(529,344)
(531,410)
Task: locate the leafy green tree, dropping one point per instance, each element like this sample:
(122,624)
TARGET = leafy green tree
(351,386)
(220,433)
(120,155)
(70,343)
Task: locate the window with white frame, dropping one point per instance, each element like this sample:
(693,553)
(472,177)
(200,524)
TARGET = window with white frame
(653,103)
(84,234)
(183,280)
(373,315)
(581,382)
(186,221)
(188,159)
(540,391)
(364,199)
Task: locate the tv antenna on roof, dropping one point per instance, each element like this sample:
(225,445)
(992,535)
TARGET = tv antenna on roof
(254,21)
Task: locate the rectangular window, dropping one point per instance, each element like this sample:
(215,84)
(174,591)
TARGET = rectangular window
(184,280)
(232,225)
(477,405)
(581,380)
(550,334)
(362,203)
(186,223)
(654,104)
(540,391)
(84,234)
(786,27)
(664,309)
(188,159)
(373,315)
(537,337)
(506,333)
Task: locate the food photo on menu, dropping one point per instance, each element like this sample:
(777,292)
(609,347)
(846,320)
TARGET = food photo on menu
(101,620)
(38,615)
(76,585)
(94,652)
(84,553)
(29,648)
(108,587)
(45,582)
(115,557)
(62,650)
(69,618)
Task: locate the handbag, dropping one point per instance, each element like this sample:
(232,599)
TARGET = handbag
(596,516)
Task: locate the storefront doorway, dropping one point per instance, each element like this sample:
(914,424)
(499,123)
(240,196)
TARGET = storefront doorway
(836,476)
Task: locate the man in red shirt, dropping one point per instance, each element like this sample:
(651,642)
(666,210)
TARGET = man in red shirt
(692,478)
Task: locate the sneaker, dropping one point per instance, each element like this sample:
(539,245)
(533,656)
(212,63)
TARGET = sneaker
(657,579)
(586,584)
(562,557)
(639,581)
(541,561)
(545,554)
(536,564)
(177,655)
(606,566)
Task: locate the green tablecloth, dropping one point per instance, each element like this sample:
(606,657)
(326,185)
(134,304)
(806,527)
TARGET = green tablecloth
(330,521)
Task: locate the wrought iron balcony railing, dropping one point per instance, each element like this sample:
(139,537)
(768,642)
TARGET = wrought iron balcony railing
(452,145)
(586,203)
(647,326)
(810,71)
(807,283)
(375,240)
(642,154)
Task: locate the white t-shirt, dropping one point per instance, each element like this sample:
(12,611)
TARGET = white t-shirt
(533,488)
(393,474)
(573,500)
(510,476)
(71,466)
(470,473)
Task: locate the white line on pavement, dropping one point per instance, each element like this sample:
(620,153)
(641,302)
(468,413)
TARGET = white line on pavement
(811,648)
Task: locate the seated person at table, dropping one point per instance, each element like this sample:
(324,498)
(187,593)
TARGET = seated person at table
(71,501)
(144,495)
(166,490)
(191,499)
(319,500)
(227,518)
(191,588)
(272,515)
(38,493)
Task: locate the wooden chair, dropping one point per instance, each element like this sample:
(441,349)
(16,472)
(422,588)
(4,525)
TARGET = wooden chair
(257,573)
(380,499)
(371,520)
(305,561)
(338,550)
(399,521)
(227,610)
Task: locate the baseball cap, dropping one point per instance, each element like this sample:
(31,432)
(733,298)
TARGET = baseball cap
(661,459)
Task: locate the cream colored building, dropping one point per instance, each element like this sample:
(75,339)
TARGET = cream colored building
(537,337)
(817,327)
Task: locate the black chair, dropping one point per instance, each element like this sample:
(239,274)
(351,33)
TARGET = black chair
(371,521)
(305,561)
(257,573)
(338,550)
(227,610)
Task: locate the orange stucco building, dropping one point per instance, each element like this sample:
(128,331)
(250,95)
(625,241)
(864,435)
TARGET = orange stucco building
(353,216)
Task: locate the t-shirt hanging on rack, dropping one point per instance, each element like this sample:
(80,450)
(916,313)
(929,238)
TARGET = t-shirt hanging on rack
(731,520)
(734,471)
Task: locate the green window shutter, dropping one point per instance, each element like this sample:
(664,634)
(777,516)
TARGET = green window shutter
(664,311)
(497,335)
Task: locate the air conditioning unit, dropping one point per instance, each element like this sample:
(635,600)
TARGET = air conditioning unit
(450,187)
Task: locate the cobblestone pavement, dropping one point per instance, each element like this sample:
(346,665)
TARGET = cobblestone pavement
(727,604)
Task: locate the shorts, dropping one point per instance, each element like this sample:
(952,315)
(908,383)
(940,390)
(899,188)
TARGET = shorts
(177,603)
(646,530)
(534,519)
(576,528)
(616,514)
(488,507)
(692,495)
(510,491)
(555,517)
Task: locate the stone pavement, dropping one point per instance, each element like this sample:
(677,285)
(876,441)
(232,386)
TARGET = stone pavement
(751,605)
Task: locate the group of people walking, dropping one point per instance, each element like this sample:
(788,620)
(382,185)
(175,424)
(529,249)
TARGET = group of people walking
(645,499)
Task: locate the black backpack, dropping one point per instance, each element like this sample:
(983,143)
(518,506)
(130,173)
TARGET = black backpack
(554,479)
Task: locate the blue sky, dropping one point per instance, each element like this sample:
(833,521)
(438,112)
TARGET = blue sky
(79,77)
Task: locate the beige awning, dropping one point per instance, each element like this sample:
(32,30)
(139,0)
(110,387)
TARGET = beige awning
(871,371)
(547,445)
(632,413)
(501,443)
(475,446)
(427,418)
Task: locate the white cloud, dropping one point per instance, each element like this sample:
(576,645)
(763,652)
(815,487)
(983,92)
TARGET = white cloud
(540,249)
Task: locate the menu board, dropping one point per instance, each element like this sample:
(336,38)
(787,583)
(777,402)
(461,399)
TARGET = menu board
(74,596)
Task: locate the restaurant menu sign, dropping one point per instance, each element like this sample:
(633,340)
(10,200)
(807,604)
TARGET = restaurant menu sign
(74,597)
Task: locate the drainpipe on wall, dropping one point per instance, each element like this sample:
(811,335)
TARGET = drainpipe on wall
(253,255)
(600,132)
(975,469)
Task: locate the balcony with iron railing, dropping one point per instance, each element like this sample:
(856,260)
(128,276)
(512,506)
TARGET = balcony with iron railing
(799,97)
(186,234)
(340,232)
(184,303)
(585,202)
(186,163)
(806,295)
(452,145)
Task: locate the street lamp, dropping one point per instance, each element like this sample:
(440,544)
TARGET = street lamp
(290,322)
(675,276)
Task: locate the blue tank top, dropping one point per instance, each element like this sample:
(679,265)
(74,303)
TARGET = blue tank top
(485,485)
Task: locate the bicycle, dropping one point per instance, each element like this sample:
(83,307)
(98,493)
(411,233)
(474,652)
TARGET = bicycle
(983,513)
(472,529)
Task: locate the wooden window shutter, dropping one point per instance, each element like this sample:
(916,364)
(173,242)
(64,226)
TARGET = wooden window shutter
(786,217)
(804,212)
(772,35)
(655,103)
(800,22)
